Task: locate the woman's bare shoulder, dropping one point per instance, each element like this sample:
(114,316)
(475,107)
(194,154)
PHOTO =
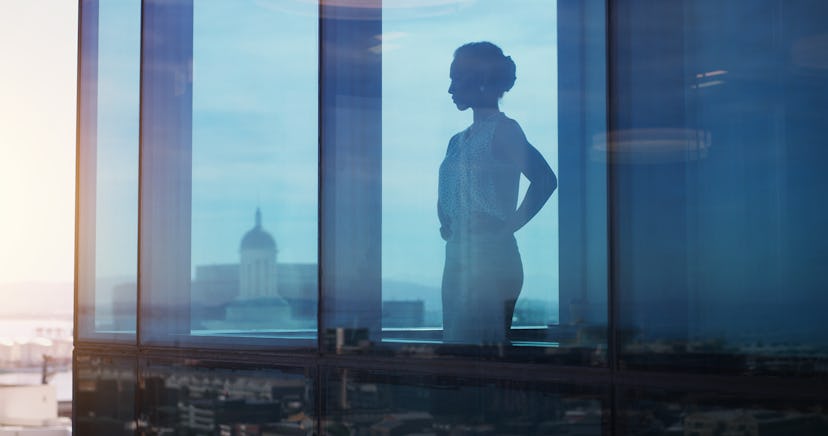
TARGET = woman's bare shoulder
(508,140)
(509,131)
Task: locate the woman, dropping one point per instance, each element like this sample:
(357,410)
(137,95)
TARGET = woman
(478,200)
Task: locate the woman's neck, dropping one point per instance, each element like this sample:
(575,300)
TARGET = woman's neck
(484,113)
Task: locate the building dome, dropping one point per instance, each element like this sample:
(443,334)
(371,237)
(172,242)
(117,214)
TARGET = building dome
(257,238)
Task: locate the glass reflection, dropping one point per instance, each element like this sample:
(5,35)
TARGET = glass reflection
(256,294)
(254,161)
(108,168)
(717,161)
(361,402)
(104,395)
(681,413)
(192,399)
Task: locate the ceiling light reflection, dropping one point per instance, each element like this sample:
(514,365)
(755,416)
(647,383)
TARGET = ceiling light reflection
(651,146)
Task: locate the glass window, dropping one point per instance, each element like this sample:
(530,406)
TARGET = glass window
(231,158)
(374,402)
(108,169)
(181,398)
(444,137)
(104,398)
(254,169)
(718,120)
(480,193)
(693,413)
(350,194)
(440,282)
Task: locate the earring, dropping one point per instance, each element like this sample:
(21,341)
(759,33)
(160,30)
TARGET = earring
(482,88)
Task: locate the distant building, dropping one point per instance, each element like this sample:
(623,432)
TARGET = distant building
(256,293)
(257,270)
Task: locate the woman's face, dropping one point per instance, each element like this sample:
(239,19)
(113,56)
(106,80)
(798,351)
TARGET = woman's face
(465,86)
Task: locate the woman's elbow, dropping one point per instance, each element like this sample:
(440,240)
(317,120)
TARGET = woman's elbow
(548,183)
(553,182)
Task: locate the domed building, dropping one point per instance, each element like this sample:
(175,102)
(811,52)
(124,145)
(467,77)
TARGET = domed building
(258,304)
(257,269)
(258,292)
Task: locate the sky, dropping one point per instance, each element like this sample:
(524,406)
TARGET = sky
(38,44)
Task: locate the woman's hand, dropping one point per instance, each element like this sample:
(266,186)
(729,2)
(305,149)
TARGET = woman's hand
(445,233)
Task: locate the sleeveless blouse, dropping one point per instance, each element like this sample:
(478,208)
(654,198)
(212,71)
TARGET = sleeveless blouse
(468,177)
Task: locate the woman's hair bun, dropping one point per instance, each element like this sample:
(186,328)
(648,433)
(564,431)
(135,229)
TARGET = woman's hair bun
(508,74)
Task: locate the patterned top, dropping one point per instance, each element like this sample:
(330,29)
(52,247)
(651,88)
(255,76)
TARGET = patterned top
(469,176)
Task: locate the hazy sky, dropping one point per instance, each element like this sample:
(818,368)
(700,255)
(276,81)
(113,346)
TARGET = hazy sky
(38,43)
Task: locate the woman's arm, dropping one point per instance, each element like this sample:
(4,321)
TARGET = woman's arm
(510,143)
(445,226)
(445,221)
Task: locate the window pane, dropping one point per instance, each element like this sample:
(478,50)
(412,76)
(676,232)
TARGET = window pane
(179,398)
(421,271)
(351,195)
(693,413)
(373,402)
(254,153)
(391,182)
(720,236)
(108,169)
(236,196)
(104,398)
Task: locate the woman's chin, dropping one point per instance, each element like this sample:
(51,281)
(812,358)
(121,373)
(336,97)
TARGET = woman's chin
(461,106)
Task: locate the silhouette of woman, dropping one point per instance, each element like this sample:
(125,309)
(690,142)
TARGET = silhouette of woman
(478,200)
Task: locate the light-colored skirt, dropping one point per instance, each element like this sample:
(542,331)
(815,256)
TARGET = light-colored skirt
(482,278)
